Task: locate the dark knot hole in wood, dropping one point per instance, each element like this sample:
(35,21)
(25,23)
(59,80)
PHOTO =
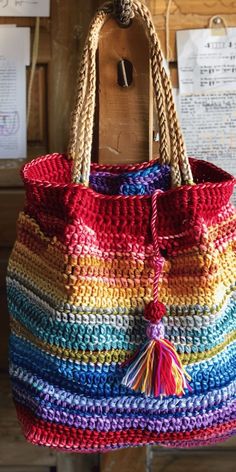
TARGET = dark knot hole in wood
(125,73)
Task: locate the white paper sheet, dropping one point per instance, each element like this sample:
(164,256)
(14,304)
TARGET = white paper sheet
(22,35)
(24,7)
(14,53)
(209,127)
(206,62)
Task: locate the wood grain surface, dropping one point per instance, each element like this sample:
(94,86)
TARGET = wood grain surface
(124,126)
(14,450)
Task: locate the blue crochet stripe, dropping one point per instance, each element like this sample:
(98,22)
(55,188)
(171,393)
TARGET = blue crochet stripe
(104,380)
(142,182)
(42,392)
(103,336)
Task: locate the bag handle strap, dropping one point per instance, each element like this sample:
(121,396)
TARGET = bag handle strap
(172,148)
(123,11)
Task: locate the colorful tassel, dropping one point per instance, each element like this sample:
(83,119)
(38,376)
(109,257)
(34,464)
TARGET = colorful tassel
(156,368)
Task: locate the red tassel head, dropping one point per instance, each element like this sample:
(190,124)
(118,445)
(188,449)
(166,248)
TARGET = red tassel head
(154,312)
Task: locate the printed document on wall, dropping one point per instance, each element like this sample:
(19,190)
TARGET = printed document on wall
(24,7)
(209,127)
(207,95)
(206,61)
(14,55)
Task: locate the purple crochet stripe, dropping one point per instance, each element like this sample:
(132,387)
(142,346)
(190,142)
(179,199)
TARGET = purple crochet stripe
(64,399)
(104,423)
(160,426)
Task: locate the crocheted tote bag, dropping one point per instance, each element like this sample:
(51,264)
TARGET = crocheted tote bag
(122,305)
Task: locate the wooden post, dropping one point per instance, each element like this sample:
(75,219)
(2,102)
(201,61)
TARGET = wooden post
(77,463)
(123,113)
(125,460)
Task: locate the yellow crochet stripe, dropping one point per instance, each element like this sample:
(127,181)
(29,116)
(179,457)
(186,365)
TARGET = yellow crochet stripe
(98,295)
(173,290)
(35,264)
(112,298)
(33,271)
(113,355)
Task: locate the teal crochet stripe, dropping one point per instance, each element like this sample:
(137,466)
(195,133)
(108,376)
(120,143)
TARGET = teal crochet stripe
(103,336)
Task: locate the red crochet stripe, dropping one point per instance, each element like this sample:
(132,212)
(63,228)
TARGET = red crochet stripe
(56,203)
(62,437)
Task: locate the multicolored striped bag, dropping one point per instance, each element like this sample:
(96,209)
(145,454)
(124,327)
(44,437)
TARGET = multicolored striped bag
(123,309)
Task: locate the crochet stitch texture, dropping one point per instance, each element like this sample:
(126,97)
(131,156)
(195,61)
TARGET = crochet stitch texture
(79,278)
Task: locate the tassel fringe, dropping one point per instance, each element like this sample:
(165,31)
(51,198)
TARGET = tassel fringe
(156,369)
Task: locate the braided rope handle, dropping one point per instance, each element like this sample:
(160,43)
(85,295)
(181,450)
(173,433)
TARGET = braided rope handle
(83,116)
(123,11)
(172,148)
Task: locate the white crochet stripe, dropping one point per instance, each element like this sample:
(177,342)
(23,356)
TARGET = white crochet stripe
(114,319)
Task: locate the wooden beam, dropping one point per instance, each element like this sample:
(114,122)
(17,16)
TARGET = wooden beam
(124,113)
(67,37)
(126,460)
(77,462)
(11,203)
(199,459)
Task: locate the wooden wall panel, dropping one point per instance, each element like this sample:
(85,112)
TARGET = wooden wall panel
(11,202)
(68,33)
(203,460)
(14,450)
(4,317)
(186,14)
(37,130)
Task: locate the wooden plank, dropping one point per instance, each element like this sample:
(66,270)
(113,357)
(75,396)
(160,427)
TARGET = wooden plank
(37,130)
(4,256)
(208,7)
(183,8)
(44,52)
(14,450)
(67,39)
(27,469)
(126,460)
(123,112)
(11,202)
(211,7)
(186,14)
(25,21)
(77,462)
(10,168)
(231,443)
(5,331)
(204,460)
